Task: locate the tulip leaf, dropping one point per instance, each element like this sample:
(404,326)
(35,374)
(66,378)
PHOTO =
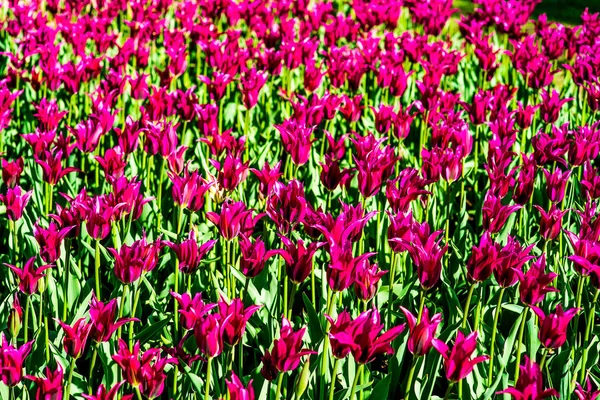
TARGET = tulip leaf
(152,330)
(315,330)
(381,389)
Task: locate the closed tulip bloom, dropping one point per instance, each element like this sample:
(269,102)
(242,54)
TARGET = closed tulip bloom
(420,339)
(287,206)
(296,140)
(366,277)
(51,386)
(551,105)
(75,336)
(209,332)
(231,172)
(132,261)
(251,82)
(100,218)
(339,338)
(191,309)
(12,360)
(50,240)
(231,219)
(29,275)
(189,253)
(483,259)
(103,319)
(254,255)
(103,394)
(15,201)
(267,176)
(550,222)
(553,327)
(588,393)
(428,260)
(188,190)
(525,180)
(556,184)
(298,258)
(530,384)
(52,169)
(235,317)
(495,214)
(534,284)
(458,362)
(11,171)
(286,353)
(237,390)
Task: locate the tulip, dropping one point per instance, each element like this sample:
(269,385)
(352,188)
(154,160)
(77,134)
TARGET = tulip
(11,171)
(15,201)
(296,140)
(534,284)
(298,258)
(29,275)
(50,240)
(525,180)
(550,222)
(102,318)
(189,253)
(332,175)
(267,177)
(286,206)
(366,277)
(100,218)
(15,318)
(209,332)
(251,82)
(12,360)
(404,189)
(551,105)
(75,336)
(495,214)
(50,387)
(512,258)
(556,183)
(231,173)
(458,362)
(231,220)
(483,259)
(191,309)
(234,317)
(254,256)
(113,163)
(341,341)
(237,390)
(588,393)
(374,165)
(422,334)
(286,352)
(132,261)
(341,270)
(553,327)
(102,394)
(530,383)
(188,190)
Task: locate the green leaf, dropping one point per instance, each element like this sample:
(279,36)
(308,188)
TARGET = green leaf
(315,330)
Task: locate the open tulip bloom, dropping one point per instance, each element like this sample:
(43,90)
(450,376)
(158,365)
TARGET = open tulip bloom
(324,199)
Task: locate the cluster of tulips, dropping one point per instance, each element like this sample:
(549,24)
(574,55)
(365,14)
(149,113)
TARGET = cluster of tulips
(279,199)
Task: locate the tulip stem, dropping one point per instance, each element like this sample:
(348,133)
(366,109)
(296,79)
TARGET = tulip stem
(97,270)
(468,305)
(421,305)
(70,378)
(122,306)
(279,384)
(133,310)
(207,383)
(588,331)
(544,357)
(411,374)
(356,375)
(448,391)
(176,273)
(66,281)
(520,343)
(494,332)
(26,324)
(92,365)
(333,378)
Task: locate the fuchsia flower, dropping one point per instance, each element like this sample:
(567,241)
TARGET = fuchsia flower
(100,218)
(366,277)
(102,318)
(267,177)
(374,164)
(525,180)
(553,327)
(189,254)
(102,394)
(146,372)
(530,384)
(29,275)
(75,336)
(341,341)
(50,387)
(298,258)
(209,333)
(87,135)
(422,334)
(534,284)
(232,219)
(286,206)
(12,360)
(551,221)
(483,259)
(15,201)
(113,163)
(237,390)
(296,139)
(234,317)
(458,362)
(254,256)
(11,171)
(50,240)
(286,352)
(512,258)
(588,393)
(332,175)
(495,214)
(556,184)
(132,261)
(188,190)
(551,105)
(231,172)
(250,84)
(191,309)
(51,163)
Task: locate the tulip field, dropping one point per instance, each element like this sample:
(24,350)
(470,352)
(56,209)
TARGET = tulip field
(276,199)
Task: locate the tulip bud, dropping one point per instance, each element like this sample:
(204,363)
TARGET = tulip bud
(302,380)
(41,284)
(15,318)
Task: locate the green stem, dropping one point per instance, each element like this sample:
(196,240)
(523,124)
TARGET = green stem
(448,391)
(520,343)
(494,332)
(279,384)
(588,331)
(66,279)
(333,378)
(133,310)
(468,305)
(69,379)
(92,365)
(176,273)
(411,374)
(356,375)
(26,324)
(421,305)
(97,270)
(544,357)
(207,383)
